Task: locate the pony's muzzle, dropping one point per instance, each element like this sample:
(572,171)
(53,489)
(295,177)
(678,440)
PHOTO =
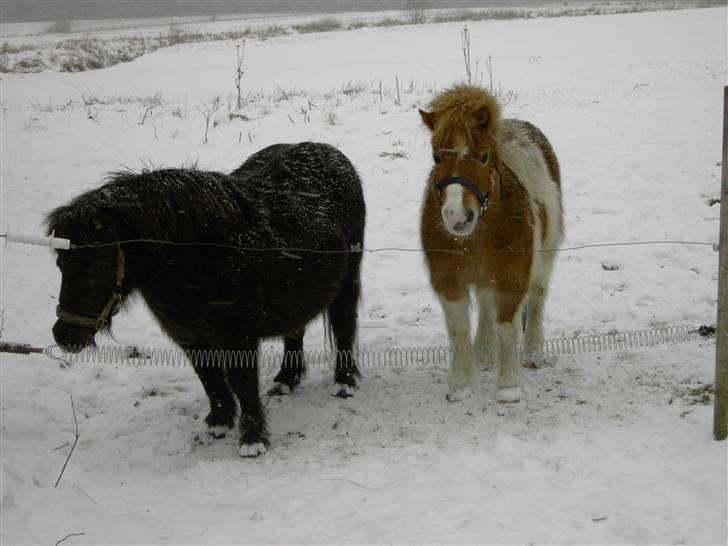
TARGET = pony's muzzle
(72,338)
(469,217)
(458,218)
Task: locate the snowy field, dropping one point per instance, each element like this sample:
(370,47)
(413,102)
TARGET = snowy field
(609,448)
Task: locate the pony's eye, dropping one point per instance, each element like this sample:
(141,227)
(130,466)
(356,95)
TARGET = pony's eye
(484,157)
(436,158)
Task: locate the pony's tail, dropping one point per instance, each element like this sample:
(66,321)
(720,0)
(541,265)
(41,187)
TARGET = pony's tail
(351,300)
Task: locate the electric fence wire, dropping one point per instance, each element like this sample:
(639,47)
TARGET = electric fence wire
(359,249)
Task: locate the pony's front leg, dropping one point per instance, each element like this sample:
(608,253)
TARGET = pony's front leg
(242,376)
(457,319)
(507,333)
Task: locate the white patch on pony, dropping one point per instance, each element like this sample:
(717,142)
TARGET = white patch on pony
(218,431)
(509,395)
(280,389)
(457,320)
(509,371)
(525,158)
(458,395)
(252,450)
(454,213)
(342,390)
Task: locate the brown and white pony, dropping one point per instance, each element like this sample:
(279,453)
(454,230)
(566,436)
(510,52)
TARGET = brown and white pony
(491,211)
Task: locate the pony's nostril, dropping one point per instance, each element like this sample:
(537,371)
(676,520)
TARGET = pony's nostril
(469,216)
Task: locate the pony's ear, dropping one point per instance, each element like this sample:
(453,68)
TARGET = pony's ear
(428,118)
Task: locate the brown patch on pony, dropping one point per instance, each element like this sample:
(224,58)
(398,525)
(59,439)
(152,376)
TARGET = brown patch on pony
(463,111)
(543,218)
(497,255)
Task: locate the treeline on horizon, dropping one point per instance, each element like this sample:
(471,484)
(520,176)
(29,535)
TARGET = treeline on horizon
(12,11)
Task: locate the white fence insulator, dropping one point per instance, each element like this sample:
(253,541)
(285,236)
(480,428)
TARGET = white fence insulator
(51,241)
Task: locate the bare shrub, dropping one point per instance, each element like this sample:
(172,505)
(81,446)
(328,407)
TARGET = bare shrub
(397,154)
(59,27)
(331,118)
(207,112)
(6,48)
(352,89)
(358,24)
(271,32)
(416,11)
(389,22)
(28,65)
(239,72)
(327,24)
(281,95)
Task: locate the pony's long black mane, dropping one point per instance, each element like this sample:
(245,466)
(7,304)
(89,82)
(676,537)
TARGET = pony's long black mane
(167,204)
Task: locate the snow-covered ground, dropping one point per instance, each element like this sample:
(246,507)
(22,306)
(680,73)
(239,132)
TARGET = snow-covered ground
(611,448)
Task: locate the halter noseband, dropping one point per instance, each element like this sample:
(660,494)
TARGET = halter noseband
(483,198)
(112,305)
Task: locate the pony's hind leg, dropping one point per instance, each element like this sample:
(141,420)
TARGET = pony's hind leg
(485,342)
(457,319)
(242,376)
(343,319)
(293,366)
(533,338)
(507,333)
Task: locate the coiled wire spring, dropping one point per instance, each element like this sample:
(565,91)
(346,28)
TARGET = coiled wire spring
(364,357)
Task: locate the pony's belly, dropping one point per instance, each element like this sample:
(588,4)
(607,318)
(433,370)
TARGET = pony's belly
(270,303)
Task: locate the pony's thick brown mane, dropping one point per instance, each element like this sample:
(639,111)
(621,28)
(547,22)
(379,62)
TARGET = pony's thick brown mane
(466,109)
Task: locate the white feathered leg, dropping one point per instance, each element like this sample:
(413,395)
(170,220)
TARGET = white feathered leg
(457,319)
(485,340)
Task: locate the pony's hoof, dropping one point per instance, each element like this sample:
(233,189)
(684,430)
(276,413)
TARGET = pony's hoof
(280,389)
(540,361)
(252,450)
(220,420)
(343,391)
(460,394)
(485,357)
(509,395)
(485,364)
(218,432)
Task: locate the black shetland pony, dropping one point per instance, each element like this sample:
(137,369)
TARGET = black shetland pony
(254,254)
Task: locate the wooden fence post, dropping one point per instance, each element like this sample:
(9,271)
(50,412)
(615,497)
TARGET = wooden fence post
(720,408)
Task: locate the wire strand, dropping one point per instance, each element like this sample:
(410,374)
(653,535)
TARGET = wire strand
(357,249)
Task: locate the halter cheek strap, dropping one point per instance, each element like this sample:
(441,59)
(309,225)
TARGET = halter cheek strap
(483,198)
(112,305)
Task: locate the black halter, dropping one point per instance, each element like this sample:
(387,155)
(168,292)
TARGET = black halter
(483,198)
(110,309)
